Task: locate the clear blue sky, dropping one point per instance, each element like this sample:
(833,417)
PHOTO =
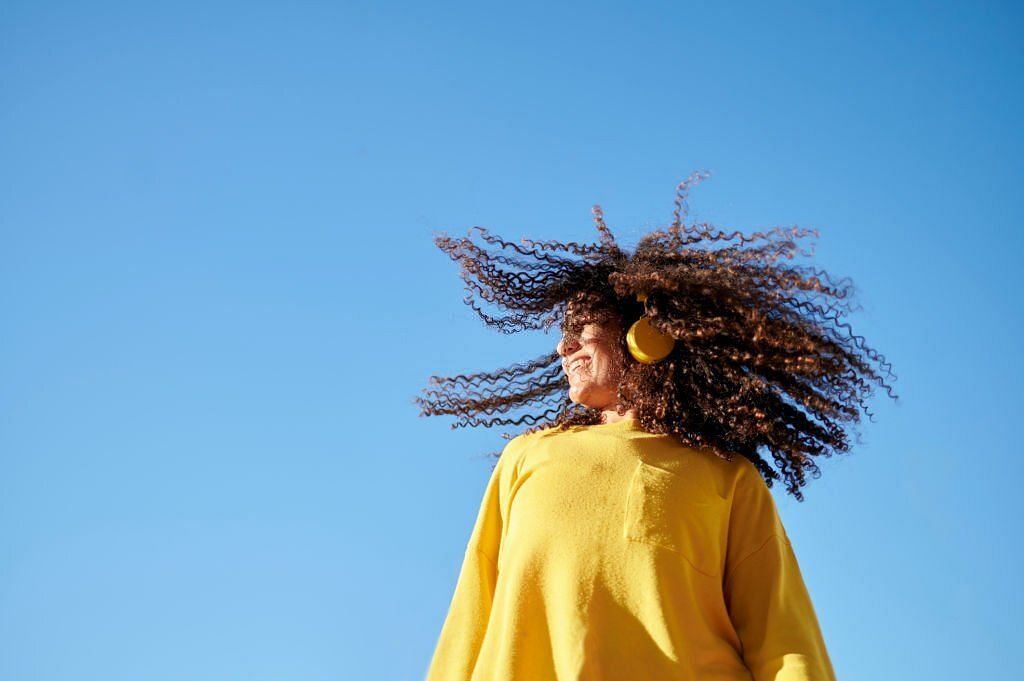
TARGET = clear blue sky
(220,295)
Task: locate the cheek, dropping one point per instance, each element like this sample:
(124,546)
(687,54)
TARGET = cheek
(607,370)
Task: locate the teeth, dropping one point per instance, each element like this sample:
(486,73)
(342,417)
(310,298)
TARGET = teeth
(577,365)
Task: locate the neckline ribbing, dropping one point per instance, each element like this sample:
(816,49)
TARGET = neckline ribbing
(622,423)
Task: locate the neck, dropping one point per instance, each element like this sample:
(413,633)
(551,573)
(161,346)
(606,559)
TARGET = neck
(612,416)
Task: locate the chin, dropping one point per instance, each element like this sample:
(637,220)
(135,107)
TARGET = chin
(582,401)
(586,401)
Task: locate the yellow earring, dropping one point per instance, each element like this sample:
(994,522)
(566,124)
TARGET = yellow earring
(647,344)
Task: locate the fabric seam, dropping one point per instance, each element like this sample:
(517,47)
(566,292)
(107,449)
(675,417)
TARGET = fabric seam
(487,558)
(758,550)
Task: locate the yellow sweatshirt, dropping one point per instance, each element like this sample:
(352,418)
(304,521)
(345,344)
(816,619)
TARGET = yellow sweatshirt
(605,553)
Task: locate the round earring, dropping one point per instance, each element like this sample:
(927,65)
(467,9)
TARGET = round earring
(646,344)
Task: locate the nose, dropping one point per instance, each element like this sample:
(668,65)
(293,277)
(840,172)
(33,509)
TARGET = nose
(567,346)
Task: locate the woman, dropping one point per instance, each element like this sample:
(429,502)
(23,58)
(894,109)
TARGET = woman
(630,532)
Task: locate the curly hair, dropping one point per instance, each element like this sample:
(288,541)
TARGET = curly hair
(762,359)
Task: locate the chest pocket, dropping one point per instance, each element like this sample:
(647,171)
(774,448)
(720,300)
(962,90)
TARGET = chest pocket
(672,511)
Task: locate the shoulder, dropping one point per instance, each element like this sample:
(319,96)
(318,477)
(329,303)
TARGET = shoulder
(515,448)
(523,440)
(726,477)
(754,505)
(737,475)
(734,480)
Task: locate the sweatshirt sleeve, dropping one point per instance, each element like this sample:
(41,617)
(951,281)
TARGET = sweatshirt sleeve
(466,622)
(765,593)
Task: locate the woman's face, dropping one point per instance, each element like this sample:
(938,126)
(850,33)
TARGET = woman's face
(593,362)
